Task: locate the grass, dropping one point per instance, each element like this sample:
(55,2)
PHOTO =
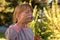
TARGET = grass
(2,36)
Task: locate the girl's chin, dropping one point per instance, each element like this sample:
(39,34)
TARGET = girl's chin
(28,21)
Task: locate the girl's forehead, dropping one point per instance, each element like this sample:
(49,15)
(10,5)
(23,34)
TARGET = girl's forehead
(28,9)
(22,9)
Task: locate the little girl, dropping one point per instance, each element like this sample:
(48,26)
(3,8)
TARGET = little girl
(19,29)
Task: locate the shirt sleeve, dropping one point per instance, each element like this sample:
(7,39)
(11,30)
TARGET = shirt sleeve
(10,34)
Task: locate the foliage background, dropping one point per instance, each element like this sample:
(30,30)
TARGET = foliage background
(46,23)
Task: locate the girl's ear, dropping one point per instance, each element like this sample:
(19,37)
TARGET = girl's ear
(16,17)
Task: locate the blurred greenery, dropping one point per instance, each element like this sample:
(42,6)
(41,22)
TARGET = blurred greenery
(2,34)
(44,23)
(7,8)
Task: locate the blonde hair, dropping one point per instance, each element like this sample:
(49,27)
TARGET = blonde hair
(19,9)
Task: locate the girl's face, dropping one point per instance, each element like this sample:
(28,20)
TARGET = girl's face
(26,16)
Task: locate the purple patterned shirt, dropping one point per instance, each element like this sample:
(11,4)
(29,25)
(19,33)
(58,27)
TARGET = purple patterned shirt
(23,34)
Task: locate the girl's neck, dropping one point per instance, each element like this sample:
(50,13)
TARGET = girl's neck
(21,25)
(18,27)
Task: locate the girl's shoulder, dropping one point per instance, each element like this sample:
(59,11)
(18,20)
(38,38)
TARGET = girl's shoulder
(11,28)
(30,30)
(14,27)
(10,32)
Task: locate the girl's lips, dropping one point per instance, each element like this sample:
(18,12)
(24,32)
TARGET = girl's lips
(30,17)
